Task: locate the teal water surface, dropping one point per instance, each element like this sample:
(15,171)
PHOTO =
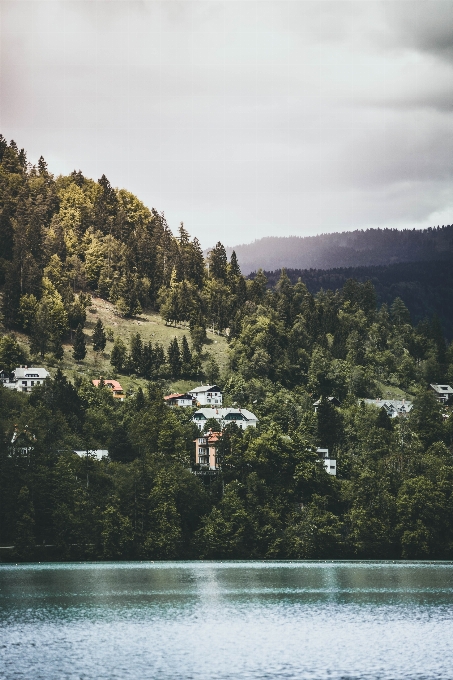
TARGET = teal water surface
(222,621)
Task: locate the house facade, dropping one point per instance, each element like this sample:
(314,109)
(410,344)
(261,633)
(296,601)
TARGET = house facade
(393,407)
(206,450)
(98,454)
(443,392)
(330,464)
(179,400)
(241,416)
(207,395)
(114,385)
(24,379)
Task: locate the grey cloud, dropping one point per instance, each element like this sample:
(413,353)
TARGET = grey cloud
(424,25)
(243,119)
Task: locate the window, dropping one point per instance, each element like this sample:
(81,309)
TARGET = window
(32,383)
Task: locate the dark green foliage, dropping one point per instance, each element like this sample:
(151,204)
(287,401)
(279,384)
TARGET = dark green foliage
(118,354)
(120,446)
(24,546)
(99,339)
(136,353)
(79,348)
(186,357)
(291,341)
(218,262)
(329,425)
(12,354)
(174,358)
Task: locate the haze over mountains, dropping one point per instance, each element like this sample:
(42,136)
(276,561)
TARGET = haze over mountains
(358,248)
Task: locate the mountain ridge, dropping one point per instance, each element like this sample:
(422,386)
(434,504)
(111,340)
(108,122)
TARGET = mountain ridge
(359,248)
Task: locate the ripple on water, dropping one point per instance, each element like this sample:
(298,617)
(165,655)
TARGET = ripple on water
(220,621)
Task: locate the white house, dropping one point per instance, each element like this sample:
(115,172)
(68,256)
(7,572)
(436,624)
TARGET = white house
(99,454)
(330,464)
(179,399)
(207,395)
(442,392)
(24,378)
(225,416)
(393,407)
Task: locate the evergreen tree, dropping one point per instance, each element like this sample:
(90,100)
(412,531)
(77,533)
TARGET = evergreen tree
(212,370)
(136,353)
(79,348)
(186,357)
(24,542)
(174,358)
(328,422)
(196,265)
(11,353)
(118,354)
(218,262)
(399,312)
(139,400)
(148,360)
(235,270)
(120,446)
(197,328)
(99,338)
(257,289)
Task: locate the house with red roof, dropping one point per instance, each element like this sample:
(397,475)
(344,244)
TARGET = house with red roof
(179,399)
(114,385)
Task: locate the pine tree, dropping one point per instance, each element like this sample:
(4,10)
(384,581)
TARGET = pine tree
(174,358)
(218,262)
(136,353)
(148,360)
(196,266)
(118,354)
(99,338)
(235,270)
(212,370)
(329,425)
(24,542)
(79,349)
(139,400)
(186,357)
(120,446)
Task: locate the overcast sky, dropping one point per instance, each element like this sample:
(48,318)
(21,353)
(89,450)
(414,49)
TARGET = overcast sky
(241,118)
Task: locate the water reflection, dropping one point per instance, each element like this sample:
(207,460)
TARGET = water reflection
(226,620)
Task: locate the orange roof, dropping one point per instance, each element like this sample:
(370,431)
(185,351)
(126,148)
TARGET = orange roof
(173,396)
(214,436)
(114,384)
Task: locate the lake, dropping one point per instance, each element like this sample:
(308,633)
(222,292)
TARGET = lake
(227,620)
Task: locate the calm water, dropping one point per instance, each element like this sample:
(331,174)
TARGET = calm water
(236,620)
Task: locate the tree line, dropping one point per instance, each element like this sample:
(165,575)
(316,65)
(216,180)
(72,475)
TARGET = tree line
(68,237)
(426,288)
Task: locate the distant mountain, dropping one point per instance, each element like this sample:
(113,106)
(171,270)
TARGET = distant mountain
(366,248)
(425,287)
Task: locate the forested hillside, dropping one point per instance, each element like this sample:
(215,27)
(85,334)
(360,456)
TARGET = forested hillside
(425,287)
(359,248)
(69,238)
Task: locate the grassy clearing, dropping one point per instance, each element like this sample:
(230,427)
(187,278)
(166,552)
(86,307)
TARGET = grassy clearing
(392,392)
(150,326)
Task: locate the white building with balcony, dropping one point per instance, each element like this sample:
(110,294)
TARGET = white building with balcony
(207,395)
(241,416)
(330,464)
